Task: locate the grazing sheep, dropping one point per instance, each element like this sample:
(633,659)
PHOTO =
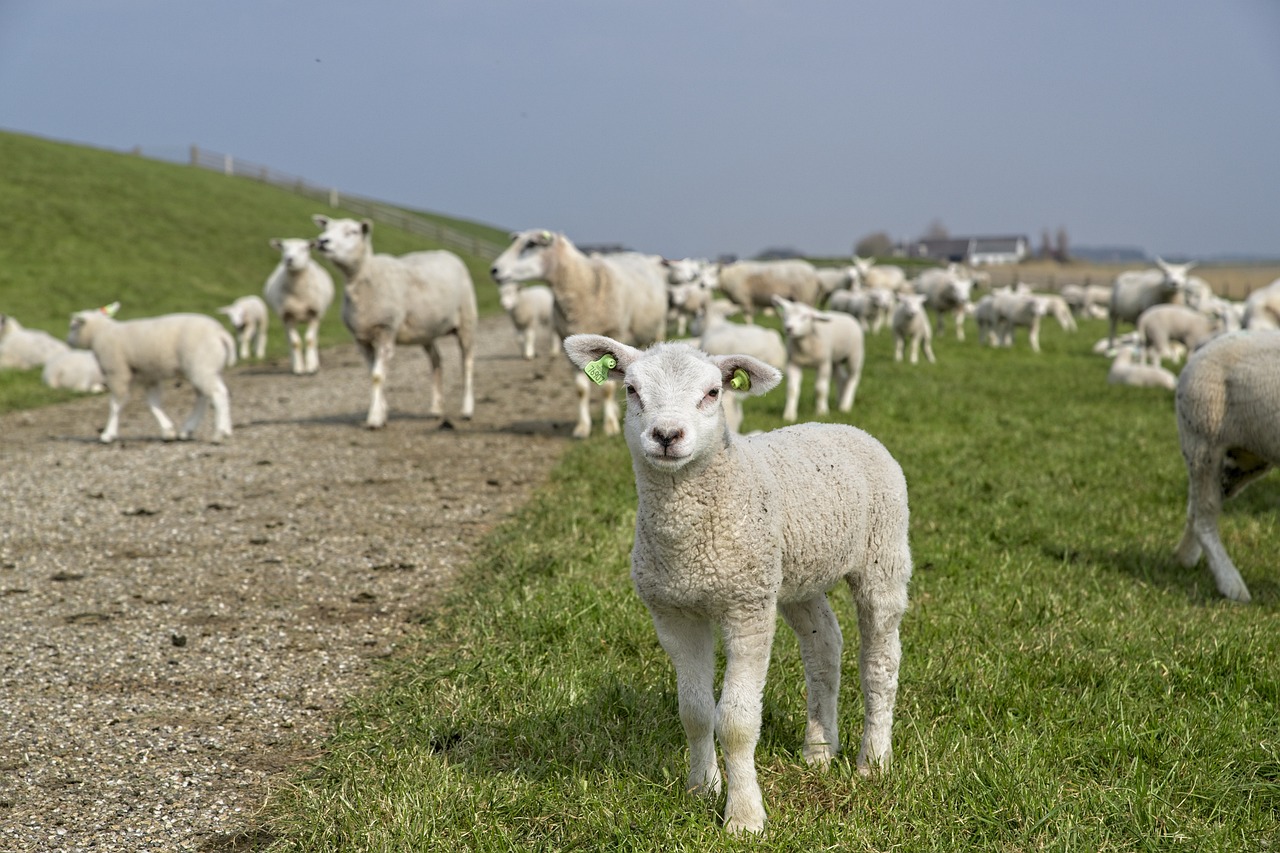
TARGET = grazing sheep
(417,298)
(753,284)
(74,370)
(1161,325)
(299,290)
(732,531)
(152,350)
(1017,308)
(823,340)
(1126,371)
(22,348)
(1134,291)
(948,291)
(248,316)
(721,337)
(622,295)
(870,275)
(530,309)
(1228,405)
(1262,308)
(910,322)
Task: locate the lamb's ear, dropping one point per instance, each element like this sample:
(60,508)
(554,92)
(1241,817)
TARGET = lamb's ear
(779,302)
(593,353)
(110,309)
(366,227)
(320,220)
(747,375)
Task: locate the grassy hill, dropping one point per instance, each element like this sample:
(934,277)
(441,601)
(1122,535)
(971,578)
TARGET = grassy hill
(87,227)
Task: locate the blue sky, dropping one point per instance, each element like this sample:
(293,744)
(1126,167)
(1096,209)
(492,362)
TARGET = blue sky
(700,128)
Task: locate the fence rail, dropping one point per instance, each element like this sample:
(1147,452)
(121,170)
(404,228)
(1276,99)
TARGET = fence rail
(378,211)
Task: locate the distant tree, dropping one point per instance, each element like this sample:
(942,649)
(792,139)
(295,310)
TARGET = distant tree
(1046,246)
(779,253)
(877,245)
(936,231)
(1061,248)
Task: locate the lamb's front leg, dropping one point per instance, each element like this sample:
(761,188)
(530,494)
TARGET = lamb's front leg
(747,643)
(795,376)
(376,355)
(612,424)
(690,643)
(822,389)
(311,347)
(821,642)
(582,428)
(297,362)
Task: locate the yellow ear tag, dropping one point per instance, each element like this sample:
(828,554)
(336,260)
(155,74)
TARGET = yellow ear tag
(740,381)
(599,369)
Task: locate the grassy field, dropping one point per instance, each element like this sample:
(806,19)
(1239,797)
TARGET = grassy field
(1065,684)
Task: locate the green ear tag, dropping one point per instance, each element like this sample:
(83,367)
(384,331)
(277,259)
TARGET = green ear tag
(740,381)
(599,369)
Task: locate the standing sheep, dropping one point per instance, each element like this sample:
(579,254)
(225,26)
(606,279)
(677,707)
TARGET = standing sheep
(417,298)
(1134,291)
(530,309)
(1162,325)
(827,341)
(752,285)
(947,291)
(622,295)
(248,316)
(299,290)
(1014,308)
(1228,405)
(869,274)
(22,348)
(155,349)
(733,531)
(910,322)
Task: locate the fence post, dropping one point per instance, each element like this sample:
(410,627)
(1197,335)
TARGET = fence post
(195,155)
(333,197)
(228,168)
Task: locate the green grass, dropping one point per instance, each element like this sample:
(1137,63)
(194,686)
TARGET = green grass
(1065,685)
(88,227)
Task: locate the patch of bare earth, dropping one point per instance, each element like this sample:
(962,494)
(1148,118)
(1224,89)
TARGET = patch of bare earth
(181,620)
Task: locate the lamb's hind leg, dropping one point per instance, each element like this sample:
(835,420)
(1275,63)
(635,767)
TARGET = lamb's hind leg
(881,603)
(1204,505)
(820,645)
(690,643)
(311,347)
(166,425)
(467,350)
(437,379)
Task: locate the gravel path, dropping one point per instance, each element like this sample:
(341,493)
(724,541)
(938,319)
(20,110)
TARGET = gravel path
(181,620)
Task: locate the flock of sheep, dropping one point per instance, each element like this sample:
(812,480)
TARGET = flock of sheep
(731,530)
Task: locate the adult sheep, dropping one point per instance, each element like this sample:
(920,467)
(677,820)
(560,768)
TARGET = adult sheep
(417,298)
(299,290)
(154,350)
(1228,405)
(732,531)
(1134,291)
(620,295)
(752,285)
(22,348)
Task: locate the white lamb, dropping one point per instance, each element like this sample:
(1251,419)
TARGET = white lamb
(753,284)
(722,337)
(530,308)
(1228,405)
(299,290)
(911,322)
(827,341)
(870,275)
(1125,370)
(732,531)
(1012,309)
(153,350)
(622,295)
(417,298)
(948,291)
(22,348)
(872,306)
(1160,326)
(74,370)
(248,316)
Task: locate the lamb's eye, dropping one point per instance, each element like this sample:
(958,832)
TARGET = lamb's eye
(711,397)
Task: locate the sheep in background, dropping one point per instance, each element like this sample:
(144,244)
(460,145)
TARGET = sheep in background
(1262,308)
(1228,405)
(873,306)
(417,298)
(1134,291)
(721,337)
(947,291)
(622,295)
(831,279)
(732,531)
(753,284)
(690,285)
(74,370)
(530,309)
(299,290)
(1126,371)
(22,348)
(152,350)
(827,341)
(1058,308)
(248,316)
(910,322)
(870,275)
(1018,308)
(1161,325)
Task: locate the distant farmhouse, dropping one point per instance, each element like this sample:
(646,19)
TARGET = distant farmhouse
(975,251)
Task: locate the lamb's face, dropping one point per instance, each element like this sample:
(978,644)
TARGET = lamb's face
(342,240)
(524,259)
(296,253)
(681,271)
(673,407)
(77,336)
(911,304)
(797,319)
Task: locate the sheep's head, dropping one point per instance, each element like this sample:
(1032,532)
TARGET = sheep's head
(1175,275)
(525,259)
(682,271)
(798,319)
(80,332)
(673,394)
(294,252)
(343,241)
(912,303)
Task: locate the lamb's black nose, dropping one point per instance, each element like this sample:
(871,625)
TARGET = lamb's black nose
(666,437)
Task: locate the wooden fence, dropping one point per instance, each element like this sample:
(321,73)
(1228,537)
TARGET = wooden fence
(378,211)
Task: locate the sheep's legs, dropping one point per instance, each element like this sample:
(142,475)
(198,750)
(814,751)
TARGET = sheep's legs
(879,654)
(376,355)
(193,420)
(849,387)
(296,363)
(1034,335)
(746,644)
(153,403)
(690,643)
(216,393)
(822,389)
(311,348)
(928,351)
(820,645)
(437,380)
(899,344)
(112,429)
(1204,504)
(260,342)
(468,371)
(582,382)
(960,324)
(795,375)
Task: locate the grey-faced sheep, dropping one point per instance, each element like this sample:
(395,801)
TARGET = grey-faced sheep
(150,351)
(1162,325)
(248,316)
(829,342)
(1134,291)
(299,290)
(74,370)
(911,323)
(732,531)
(623,296)
(1126,371)
(752,285)
(22,348)
(417,298)
(1228,406)
(530,308)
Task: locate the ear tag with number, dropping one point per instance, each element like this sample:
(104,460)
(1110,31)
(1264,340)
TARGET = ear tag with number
(598,370)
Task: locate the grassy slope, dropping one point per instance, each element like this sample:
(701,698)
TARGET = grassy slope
(1065,685)
(87,227)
